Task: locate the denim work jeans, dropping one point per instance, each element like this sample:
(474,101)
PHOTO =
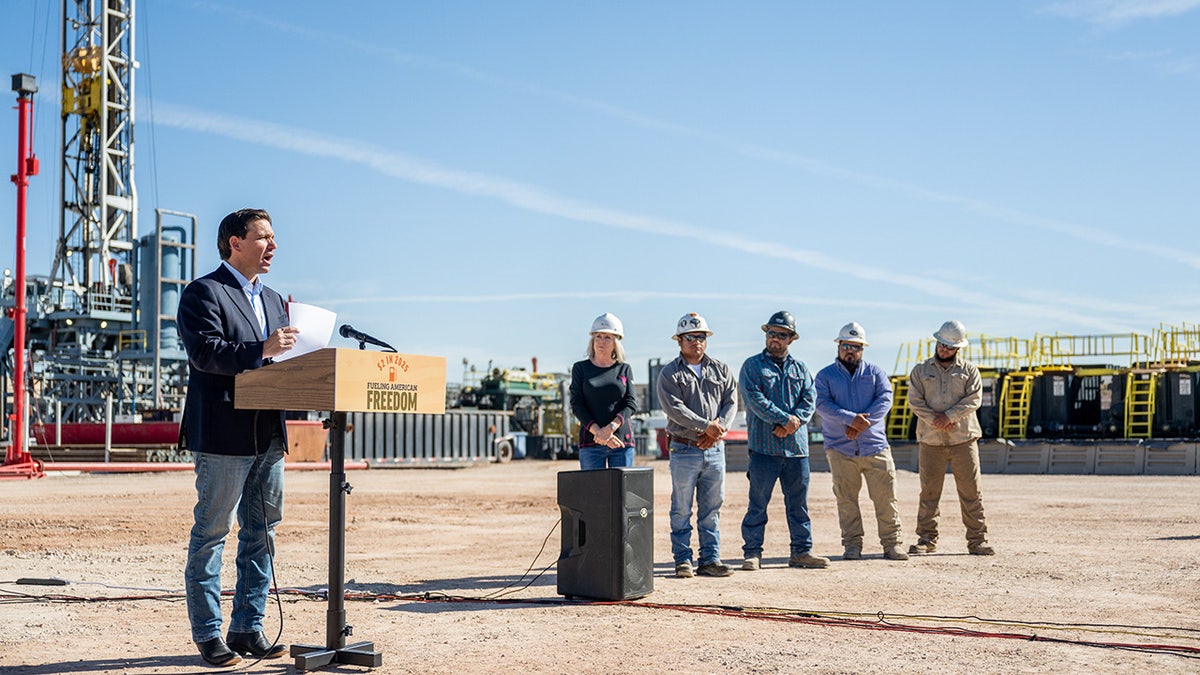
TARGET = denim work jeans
(251,487)
(792,474)
(600,457)
(698,475)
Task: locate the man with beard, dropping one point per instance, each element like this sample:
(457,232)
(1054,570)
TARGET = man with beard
(853,400)
(780,400)
(944,393)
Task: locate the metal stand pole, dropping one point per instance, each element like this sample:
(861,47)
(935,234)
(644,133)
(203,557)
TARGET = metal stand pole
(335,649)
(18,463)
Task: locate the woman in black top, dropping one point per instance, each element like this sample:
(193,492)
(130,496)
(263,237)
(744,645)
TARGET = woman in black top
(602,398)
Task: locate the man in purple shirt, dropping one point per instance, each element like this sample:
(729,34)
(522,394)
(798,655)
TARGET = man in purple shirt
(853,399)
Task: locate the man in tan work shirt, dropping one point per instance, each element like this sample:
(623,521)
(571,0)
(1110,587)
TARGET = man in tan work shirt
(944,393)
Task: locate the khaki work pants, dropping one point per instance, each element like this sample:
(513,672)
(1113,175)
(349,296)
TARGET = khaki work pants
(964,464)
(879,470)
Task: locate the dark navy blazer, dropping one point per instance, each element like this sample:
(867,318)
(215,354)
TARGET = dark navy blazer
(222,338)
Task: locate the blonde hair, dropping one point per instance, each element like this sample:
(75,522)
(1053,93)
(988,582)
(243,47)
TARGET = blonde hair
(618,348)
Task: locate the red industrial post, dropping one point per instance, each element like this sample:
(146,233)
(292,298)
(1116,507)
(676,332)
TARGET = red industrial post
(18,463)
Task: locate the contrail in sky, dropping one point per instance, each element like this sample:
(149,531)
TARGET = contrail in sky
(636,296)
(1092,235)
(536,199)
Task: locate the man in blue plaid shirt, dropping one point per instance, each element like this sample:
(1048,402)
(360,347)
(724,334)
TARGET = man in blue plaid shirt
(780,400)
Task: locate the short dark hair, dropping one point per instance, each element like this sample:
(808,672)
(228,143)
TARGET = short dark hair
(235,225)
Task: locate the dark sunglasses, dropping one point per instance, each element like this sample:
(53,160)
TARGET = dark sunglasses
(695,337)
(778,335)
(849,347)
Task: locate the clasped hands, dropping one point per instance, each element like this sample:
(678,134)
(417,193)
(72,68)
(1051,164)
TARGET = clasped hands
(712,433)
(859,424)
(782,430)
(607,437)
(942,423)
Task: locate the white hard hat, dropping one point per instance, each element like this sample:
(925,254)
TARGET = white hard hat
(691,323)
(852,332)
(608,323)
(952,334)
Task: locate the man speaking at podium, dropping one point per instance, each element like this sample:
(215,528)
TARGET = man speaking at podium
(230,322)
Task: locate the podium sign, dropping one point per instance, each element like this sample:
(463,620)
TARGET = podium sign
(342,381)
(347,380)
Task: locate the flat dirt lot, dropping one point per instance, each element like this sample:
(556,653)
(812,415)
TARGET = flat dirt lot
(1119,551)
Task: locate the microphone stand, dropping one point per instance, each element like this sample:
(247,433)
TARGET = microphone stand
(362,344)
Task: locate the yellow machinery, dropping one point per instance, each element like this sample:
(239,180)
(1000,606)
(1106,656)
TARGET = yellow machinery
(994,356)
(1132,371)
(1067,353)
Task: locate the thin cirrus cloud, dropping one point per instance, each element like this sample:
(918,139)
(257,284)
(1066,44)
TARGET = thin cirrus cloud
(538,200)
(638,296)
(1097,11)
(1116,12)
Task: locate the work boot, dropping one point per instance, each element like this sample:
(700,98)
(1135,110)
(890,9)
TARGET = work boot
(683,570)
(714,569)
(254,644)
(893,552)
(852,553)
(215,652)
(808,561)
(751,563)
(922,547)
(981,548)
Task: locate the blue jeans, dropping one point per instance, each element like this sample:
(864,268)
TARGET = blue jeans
(698,474)
(792,474)
(226,484)
(602,457)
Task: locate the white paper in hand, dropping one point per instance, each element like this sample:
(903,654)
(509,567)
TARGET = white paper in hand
(316,328)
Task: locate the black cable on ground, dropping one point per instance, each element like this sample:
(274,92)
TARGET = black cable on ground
(866,621)
(880,620)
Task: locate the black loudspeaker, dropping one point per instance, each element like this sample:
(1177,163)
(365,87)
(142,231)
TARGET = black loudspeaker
(607,533)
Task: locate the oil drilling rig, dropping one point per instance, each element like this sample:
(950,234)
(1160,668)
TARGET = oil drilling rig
(100,340)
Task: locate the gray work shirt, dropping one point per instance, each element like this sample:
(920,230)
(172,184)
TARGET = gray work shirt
(691,402)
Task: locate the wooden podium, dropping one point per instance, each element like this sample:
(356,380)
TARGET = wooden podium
(342,381)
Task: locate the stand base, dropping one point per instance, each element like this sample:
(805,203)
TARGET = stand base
(357,654)
(25,469)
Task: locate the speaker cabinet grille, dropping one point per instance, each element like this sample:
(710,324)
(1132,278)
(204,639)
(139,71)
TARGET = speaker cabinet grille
(607,533)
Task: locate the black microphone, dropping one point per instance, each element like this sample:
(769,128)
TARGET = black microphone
(348,331)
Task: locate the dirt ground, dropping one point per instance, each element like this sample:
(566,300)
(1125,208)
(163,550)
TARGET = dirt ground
(1072,550)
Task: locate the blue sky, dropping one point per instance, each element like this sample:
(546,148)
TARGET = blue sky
(479,180)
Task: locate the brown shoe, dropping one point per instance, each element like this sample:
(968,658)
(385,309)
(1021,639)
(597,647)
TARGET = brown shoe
(751,564)
(922,547)
(981,549)
(808,560)
(893,552)
(683,570)
(714,569)
(852,553)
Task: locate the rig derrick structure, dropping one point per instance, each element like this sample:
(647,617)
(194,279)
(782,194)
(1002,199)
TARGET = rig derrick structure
(101,343)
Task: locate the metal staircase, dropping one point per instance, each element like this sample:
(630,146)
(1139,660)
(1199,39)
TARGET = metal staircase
(900,417)
(1140,386)
(1015,399)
